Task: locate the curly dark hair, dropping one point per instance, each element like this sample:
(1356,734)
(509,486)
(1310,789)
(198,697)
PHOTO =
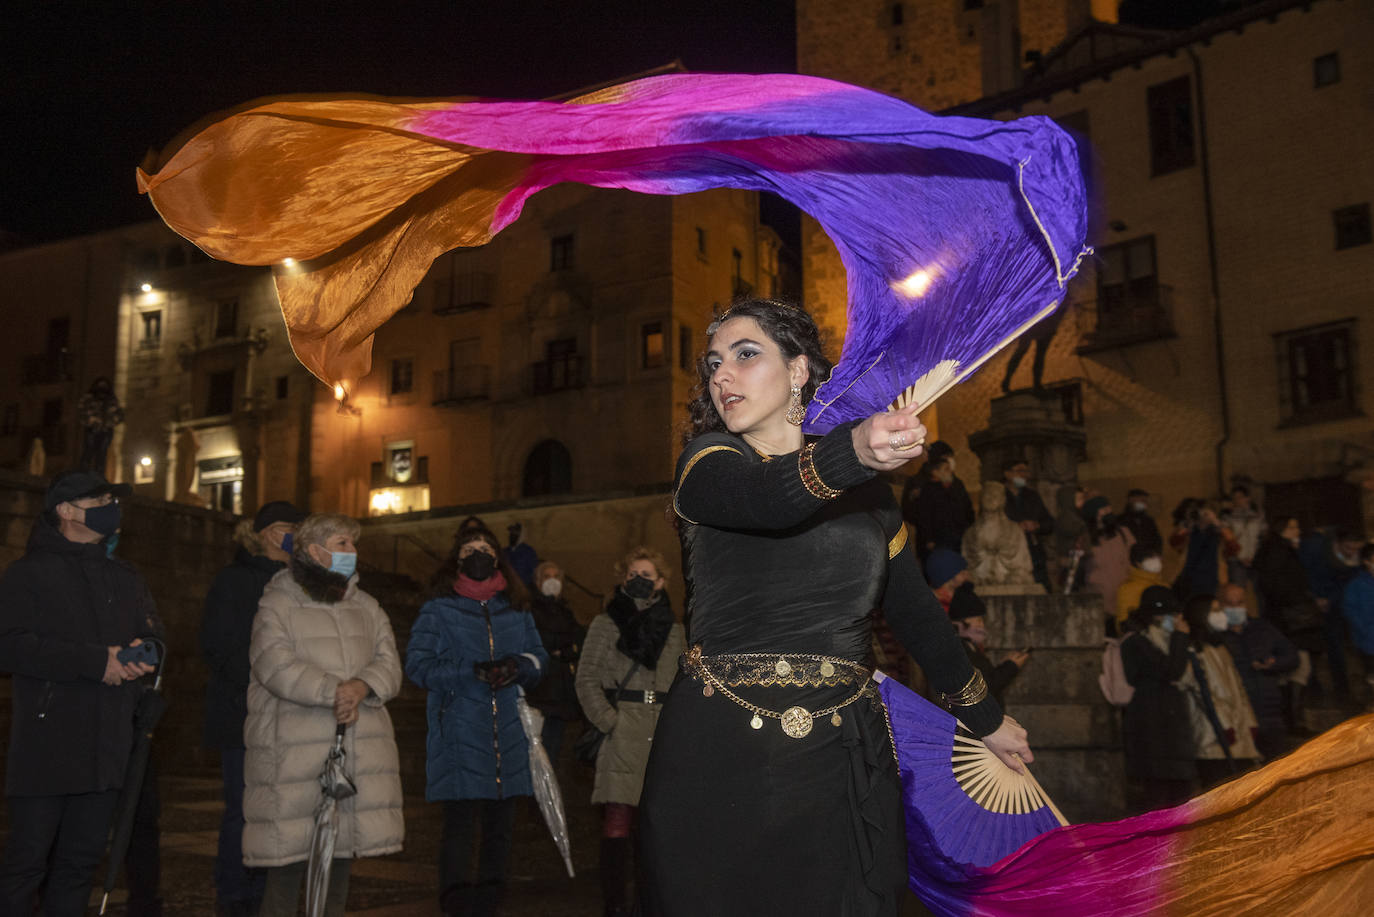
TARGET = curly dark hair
(787,325)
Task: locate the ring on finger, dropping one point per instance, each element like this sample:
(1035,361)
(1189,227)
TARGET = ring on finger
(899,444)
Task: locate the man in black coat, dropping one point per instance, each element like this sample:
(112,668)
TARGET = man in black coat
(1262,655)
(1137,519)
(226,629)
(943,509)
(1026,509)
(67,607)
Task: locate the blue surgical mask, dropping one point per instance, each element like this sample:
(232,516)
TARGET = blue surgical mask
(288,541)
(343,563)
(1167,624)
(1235,615)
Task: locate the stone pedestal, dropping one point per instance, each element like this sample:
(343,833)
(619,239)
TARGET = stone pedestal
(1074,732)
(1038,428)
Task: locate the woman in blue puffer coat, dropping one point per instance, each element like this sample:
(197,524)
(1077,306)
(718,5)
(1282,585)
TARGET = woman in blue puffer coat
(473,648)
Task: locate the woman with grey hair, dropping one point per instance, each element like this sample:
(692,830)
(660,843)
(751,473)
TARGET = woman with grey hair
(322,654)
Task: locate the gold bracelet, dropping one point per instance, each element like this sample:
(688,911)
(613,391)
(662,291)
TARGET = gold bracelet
(811,479)
(972,693)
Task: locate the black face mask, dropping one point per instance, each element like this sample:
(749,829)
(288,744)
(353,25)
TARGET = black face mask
(478,565)
(639,587)
(103,519)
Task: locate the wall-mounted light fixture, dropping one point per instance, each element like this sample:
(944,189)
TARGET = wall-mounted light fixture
(341,396)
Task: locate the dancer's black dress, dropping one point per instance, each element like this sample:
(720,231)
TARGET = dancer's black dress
(737,820)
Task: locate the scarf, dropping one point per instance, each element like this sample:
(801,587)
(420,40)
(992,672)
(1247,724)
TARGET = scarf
(643,631)
(479,590)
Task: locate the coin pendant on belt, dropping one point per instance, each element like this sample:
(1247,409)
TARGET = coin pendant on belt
(796,722)
(827,669)
(836,720)
(708,691)
(783,668)
(756,722)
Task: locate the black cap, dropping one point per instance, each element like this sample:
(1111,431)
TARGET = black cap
(1158,600)
(277,511)
(77,485)
(966,604)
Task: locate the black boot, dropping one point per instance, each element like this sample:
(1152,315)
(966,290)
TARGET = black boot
(487,898)
(615,875)
(456,900)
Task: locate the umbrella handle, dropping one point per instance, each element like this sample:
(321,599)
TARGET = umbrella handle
(340,730)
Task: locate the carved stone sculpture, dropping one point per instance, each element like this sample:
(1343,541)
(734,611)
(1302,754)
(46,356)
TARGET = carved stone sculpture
(999,562)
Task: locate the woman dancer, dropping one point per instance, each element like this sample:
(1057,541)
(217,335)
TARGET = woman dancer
(772,786)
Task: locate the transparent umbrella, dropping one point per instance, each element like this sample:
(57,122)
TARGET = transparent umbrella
(546,791)
(334,786)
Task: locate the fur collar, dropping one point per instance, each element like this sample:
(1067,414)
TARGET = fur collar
(320,584)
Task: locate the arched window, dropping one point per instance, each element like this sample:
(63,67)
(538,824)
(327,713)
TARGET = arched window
(548,470)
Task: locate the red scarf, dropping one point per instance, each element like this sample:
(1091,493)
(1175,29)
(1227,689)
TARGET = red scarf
(479,590)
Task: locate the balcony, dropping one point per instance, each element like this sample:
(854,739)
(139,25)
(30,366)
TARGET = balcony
(1125,316)
(461,384)
(46,368)
(464,292)
(557,374)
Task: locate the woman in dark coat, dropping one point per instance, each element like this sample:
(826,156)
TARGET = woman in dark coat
(555,696)
(1156,728)
(472,648)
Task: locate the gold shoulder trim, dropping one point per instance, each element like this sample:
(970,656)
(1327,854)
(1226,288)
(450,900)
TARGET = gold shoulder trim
(691,463)
(898,542)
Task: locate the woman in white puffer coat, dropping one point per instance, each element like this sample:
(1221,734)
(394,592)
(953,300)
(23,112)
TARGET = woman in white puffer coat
(322,653)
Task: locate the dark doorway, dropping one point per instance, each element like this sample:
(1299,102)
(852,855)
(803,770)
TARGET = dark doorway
(548,470)
(1315,502)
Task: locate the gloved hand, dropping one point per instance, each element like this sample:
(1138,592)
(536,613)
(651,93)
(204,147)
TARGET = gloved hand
(503,672)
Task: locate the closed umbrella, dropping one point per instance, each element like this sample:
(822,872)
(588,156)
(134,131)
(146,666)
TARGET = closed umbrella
(151,706)
(335,784)
(546,791)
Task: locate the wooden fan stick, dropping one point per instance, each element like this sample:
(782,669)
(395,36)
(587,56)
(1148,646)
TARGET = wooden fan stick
(954,375)
(1054,809)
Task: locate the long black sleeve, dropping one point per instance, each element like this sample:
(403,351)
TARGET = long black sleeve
(722,483)
(918,621)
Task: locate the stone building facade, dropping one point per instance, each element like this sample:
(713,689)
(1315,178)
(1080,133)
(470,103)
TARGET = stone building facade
(1224,331)
(557,359)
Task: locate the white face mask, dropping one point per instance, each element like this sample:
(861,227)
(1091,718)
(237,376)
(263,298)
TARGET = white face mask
(1235,615)
(1152,565)
(1217,620)
(1139,507)
(552,587)
(1018,483)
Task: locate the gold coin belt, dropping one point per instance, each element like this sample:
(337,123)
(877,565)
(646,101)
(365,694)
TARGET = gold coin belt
(796,721)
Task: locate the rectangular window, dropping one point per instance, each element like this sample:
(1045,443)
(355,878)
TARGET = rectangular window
(560,369)
(152,329)
(1317,373)
(684,347)
(1170,110)
(652,346)
(1352,226)
(1131,306)
(561,253)
(219,393)
(1076,123)
(283,387)
(402,376)
(226,319)
(1326,70)
(59,336)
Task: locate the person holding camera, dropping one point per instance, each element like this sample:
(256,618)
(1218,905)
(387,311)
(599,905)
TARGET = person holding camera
(68,609)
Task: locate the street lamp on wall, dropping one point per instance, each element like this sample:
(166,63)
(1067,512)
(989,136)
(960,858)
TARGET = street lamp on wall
(341,396)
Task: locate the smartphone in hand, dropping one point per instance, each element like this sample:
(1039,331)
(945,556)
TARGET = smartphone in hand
(145,653)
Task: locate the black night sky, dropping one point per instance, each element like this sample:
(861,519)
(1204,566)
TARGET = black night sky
(90,87)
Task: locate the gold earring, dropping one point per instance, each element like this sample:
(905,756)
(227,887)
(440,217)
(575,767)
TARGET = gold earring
(796,411)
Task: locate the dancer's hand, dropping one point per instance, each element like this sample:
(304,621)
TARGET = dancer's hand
(890,439)
(1009,742)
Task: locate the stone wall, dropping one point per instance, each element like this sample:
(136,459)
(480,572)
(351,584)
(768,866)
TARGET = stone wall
(1074,732)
